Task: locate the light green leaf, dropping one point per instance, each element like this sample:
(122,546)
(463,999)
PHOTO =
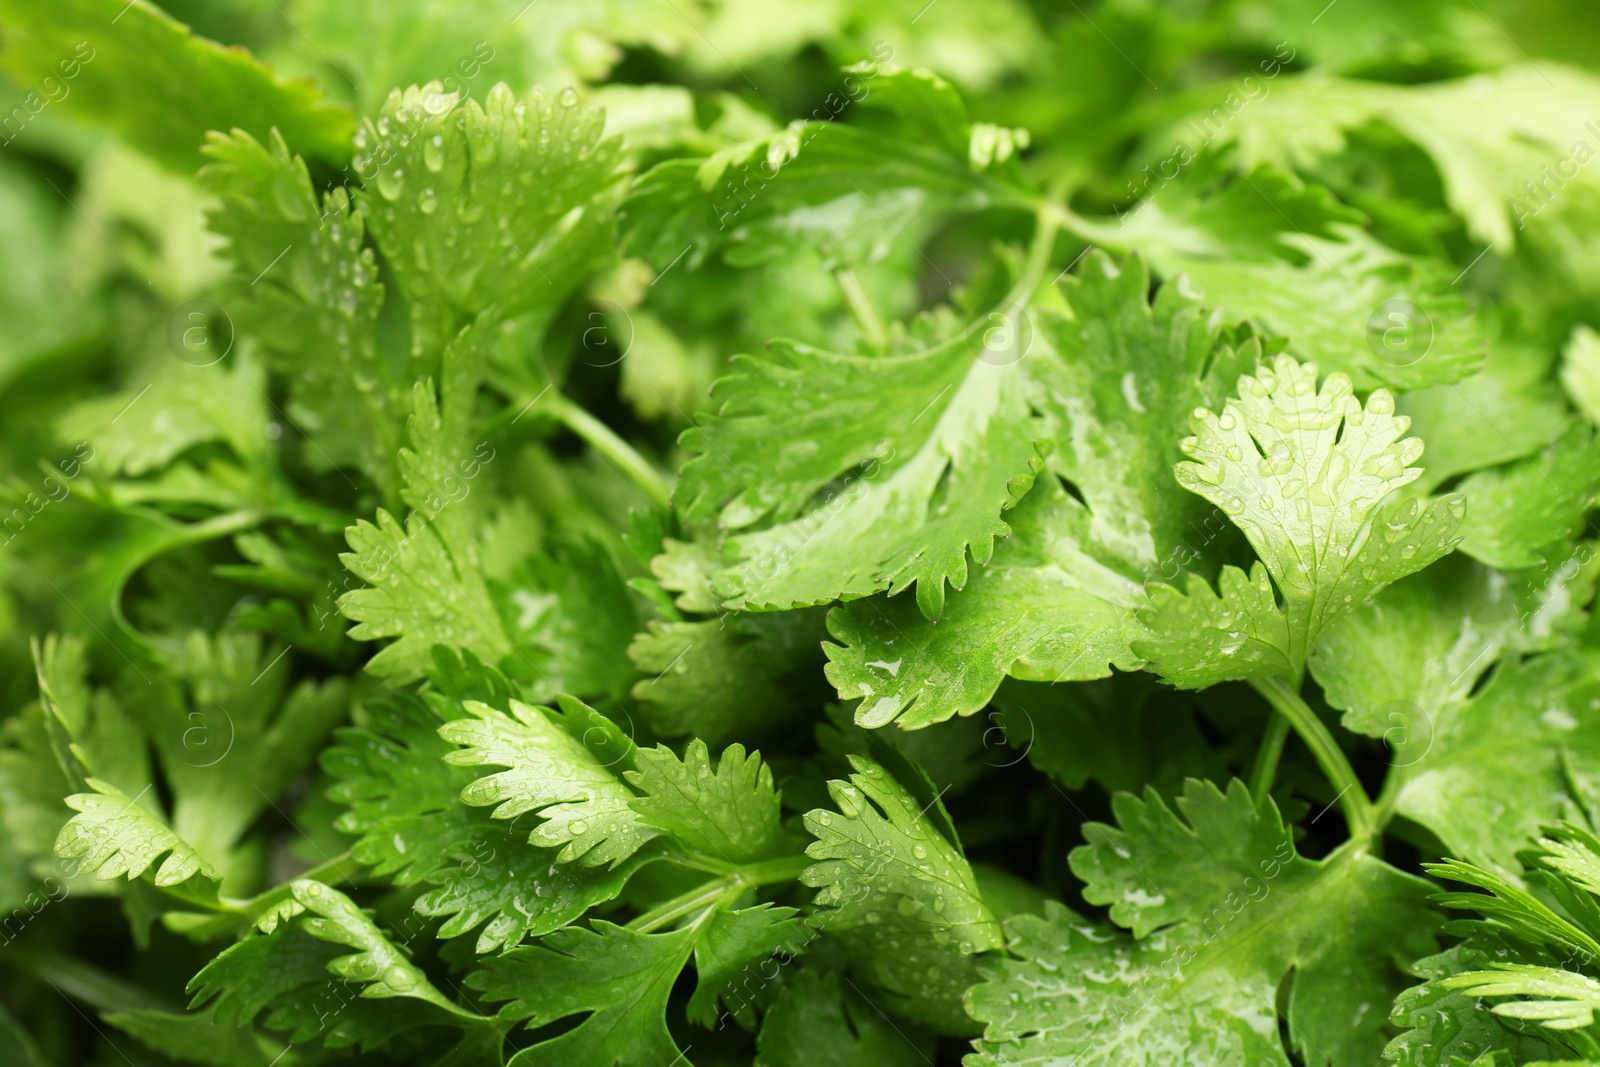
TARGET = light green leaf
(1508,410)
(729,811)
(1520,514)
(508,204)
(899,894)
(1305,474)
(225,705)
(564,765)
(107,51)
(1580,371)
(1407,660)
(1044,608)
(144,428)
(113,836)
(1484,775)
(313,300)
(1492,136)
(1230,910)
(1119,373)
(936,445)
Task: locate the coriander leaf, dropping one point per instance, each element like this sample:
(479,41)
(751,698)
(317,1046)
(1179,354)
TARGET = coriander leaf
(192,1038)
(899,895)
(514,890)
(1305,475)
(1490,771)
(1518,514)
(528,189)
(815,1022)
(564,765)
(378,965)
(847,191)
(1332,307)
(422,591)
(570,615)
(730,811)
(1200,638)
(1508,410)
(1052,603)
(1487,134)
(221,702)
(406,810)
(1292,260)
(1444,1026)
(726,958)
(1228,916)
(313,301)
(1158,867)
(287,974)
(555,621)
(619,976)
(936,445)
(723,678)
(143,429)
(88,723)
(110,52)
(113,836)
(1405,662)
(1044,608)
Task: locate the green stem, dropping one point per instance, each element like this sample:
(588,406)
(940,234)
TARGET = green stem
(866,316)
(1352,798)
(1388,797)
(1049,219)
(605,441)
(261,903)
(705,895)
(1268,756)
(734,879)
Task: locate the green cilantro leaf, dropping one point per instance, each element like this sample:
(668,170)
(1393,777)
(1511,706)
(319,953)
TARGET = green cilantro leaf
(314,297)
(1053,603)
(725,958)
(507,204)
(1487,134)
(141,430)
(1517,515)
(1405,662)
(899,894)
(1305,474)
(619,976)
(1044,608)
(934,446)
(1229,910)
(816,1022)
(113,836)
(1485,774)
(563,765)
(108,52)
(721,678)
(405,808)
(730,810)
